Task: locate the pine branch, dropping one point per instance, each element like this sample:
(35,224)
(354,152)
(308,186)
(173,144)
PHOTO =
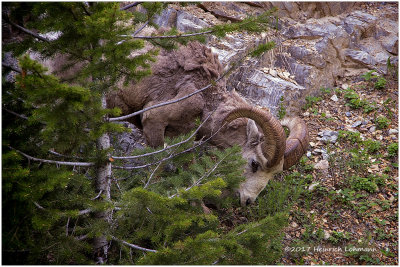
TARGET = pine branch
(133,245)
(168,147)
(206,175)
(66,163)
(20,99)
(50,151)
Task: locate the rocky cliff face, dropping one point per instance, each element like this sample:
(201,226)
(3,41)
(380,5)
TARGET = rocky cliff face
(316,44)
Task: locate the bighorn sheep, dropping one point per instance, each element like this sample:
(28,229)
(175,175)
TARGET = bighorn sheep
(181,72)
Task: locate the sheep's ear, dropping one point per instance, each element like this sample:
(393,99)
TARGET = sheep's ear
(253,136)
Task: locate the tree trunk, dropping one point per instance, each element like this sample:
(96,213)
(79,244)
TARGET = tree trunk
(103,189)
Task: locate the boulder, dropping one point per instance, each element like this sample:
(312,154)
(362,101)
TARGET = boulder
(183,21)
(263,89)
(124,143)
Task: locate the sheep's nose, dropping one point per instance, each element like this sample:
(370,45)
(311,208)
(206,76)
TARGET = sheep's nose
(248,201)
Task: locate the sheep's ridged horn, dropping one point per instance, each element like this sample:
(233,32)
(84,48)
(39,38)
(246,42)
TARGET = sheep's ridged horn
(297,142)
(273,146)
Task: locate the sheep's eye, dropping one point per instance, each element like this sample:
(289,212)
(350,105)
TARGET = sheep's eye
(254,165)
(254,143)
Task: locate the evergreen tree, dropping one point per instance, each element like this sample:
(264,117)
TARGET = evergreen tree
(67,198)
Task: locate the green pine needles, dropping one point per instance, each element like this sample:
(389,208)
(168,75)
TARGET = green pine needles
(59,204)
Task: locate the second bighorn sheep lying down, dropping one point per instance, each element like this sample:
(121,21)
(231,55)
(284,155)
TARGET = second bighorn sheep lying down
(178,73)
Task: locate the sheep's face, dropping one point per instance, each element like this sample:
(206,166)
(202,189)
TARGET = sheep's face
(257,175)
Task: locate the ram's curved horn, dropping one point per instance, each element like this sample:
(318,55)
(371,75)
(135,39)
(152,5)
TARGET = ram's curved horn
(273,147)
(297,142)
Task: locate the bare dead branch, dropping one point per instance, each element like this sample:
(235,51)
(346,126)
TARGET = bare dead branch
(152,174)
(37,36)
(134,34)
(159,105)
(82,237)
(16,114)
(66,163)
(168,147)
(11,68)
(140,29)
(206,175)
(98,195)
(173,36)
(85,9)
(67,227)
(130,5)
(133,245)
(37,205)
(62,155)
(171,156)
(82,212)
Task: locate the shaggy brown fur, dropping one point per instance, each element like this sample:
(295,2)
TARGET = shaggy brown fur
(176,74)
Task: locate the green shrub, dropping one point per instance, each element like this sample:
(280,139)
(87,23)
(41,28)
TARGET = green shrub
(353,137)
(281,110)
(382,122)
(368,76)
(369,107)
(367,184)
(279,196)
(372,146)
(311,101)
(379,180)
(380,83)
(393,150)
(339,237)
(325,91)
(353,99)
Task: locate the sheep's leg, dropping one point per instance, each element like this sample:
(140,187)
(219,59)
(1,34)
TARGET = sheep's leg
(154,134)
(154,123)
(180,116)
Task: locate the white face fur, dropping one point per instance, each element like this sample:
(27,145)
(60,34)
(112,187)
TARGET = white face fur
(257,176)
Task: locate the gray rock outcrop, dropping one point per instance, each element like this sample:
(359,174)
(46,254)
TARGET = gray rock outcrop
(317,43)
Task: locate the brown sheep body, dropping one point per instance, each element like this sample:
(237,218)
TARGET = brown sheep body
(181,72)
(176,74)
